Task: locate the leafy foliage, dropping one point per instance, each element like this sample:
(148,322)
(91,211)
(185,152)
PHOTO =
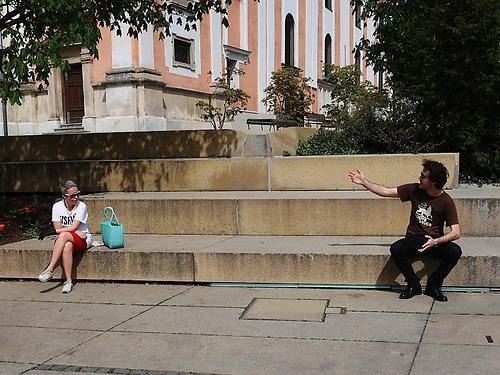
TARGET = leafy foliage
(35,31)
(288,96)
(365,120)
(225,102)
(444,58)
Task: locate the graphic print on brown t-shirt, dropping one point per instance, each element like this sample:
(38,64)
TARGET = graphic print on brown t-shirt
(424,214)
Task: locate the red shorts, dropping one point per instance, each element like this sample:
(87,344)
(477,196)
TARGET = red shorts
(79,243)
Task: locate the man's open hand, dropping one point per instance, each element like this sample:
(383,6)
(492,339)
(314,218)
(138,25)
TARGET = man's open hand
(430,243)
(357,177)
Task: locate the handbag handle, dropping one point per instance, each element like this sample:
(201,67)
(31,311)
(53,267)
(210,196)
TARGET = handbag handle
(112,215)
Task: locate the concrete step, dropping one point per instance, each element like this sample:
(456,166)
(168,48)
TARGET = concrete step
(70,129)
(255,259)
(353,213)
(216,174)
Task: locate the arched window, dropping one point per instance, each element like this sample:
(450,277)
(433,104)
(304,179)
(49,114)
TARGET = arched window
(328,49)
(289,40)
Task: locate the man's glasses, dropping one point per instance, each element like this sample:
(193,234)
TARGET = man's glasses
(74,195)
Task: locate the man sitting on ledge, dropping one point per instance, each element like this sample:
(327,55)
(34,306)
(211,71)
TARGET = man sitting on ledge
(431,207)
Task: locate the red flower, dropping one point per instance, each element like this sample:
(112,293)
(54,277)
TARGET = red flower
(26,210)
(2,227)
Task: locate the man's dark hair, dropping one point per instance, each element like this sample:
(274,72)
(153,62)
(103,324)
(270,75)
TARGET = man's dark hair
(437,172)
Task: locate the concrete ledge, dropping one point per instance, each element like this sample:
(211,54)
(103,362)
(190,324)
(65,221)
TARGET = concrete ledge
(330,172)
(286,139)
(356,213)
(123,145)
(138,175)
(215,174)
(262,259)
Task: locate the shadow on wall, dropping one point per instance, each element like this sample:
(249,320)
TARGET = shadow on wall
(77,156)
(123,146)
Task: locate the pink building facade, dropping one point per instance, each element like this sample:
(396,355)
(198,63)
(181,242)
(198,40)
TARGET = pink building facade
(152,84)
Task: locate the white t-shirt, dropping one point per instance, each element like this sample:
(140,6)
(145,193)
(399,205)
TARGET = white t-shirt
(61,214)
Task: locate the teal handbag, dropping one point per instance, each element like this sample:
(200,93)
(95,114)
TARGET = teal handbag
(111,229)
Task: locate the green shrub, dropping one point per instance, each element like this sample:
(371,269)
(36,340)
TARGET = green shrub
(288,95)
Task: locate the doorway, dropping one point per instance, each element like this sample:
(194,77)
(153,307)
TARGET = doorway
(73,94)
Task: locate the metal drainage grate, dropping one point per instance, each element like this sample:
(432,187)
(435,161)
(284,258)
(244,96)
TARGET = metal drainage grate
(284,309)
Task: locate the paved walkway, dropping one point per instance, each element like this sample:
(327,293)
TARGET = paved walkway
(169,329)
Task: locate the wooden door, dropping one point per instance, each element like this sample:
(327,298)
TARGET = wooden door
(73,94)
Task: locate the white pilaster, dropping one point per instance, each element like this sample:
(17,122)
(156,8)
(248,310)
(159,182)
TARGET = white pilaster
(121,49)
(216,44)
(344,29)
(146,58)
(244,24)
(270,39)
(312,55)
(262,49)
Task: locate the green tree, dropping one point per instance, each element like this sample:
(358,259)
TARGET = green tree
(288,96)
(366,119)
(350,98)
(35,31)
(224,103)
(443,57)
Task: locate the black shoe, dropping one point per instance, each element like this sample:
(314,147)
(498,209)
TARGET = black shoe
(435,293)
(410,291)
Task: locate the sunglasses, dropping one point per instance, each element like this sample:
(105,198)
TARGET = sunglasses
(74,195)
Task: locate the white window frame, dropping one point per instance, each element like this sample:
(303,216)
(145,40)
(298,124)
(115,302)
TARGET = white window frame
(181,64)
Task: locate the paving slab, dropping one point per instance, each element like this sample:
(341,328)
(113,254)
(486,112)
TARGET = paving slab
(470,303)
(387,327)
(351,299)
(83,292)
(14,368)
(461,329)
(29,344)
(456,359)
(66,315)
(241,355)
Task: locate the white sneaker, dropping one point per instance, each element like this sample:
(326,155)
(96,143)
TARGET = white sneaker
(45,275)
(67,286)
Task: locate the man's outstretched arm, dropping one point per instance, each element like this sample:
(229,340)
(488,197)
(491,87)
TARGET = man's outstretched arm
(359,178)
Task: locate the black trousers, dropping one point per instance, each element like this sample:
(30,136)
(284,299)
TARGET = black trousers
(404,249)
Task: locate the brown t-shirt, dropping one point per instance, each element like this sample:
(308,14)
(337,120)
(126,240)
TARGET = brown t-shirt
(428,214)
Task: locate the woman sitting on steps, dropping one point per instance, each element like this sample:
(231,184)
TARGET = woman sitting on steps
(70,221)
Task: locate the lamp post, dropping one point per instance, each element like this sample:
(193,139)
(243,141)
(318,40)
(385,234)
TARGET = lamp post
(4,103)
